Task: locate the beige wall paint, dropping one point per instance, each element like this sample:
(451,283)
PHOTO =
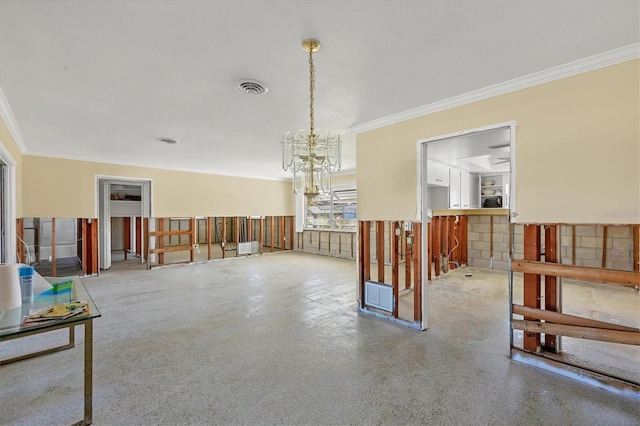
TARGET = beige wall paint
(67,188)
(343,179)
(10,145)
(577,148)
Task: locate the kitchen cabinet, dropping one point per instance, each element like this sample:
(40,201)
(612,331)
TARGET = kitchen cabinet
(469,190)
(437,173)
(454,188)
(494,190)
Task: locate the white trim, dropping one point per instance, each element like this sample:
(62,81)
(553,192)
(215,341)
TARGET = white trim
(12,124)
(10,204)
(616,56)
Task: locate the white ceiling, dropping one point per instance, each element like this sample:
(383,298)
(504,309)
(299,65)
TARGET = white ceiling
(103,80)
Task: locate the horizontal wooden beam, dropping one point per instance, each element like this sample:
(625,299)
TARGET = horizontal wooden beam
(627,278)
(166,233)
(612,336)
(173,248)
(558,318)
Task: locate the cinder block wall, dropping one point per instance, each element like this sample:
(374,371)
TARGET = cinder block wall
(588,244)
(327,243)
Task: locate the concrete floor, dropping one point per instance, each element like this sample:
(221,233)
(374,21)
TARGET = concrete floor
(276,339)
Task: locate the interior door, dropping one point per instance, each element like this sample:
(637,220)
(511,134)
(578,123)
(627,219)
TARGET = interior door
(104,224)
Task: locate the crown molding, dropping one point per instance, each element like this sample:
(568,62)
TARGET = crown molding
(612,57)
(10,121)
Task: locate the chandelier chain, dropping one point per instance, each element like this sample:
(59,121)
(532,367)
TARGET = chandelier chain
(312,88)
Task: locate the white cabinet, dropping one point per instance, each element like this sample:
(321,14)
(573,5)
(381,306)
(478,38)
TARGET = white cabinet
(494,190)
(454,188)
(437,173)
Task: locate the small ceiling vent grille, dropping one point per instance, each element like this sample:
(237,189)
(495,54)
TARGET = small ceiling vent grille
(251,87)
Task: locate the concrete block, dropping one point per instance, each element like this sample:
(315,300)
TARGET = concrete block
(589,242)
(586,253)
(619,232)
(480,245)
(500,229)
(500,247)
(518,238)
(586,231)
(623,244)
(500,265)
(620,255)
(480,263)
(485,219)
(622,266)
(589,263)
(481,228)
(473,236)
(473,253)
(473,220)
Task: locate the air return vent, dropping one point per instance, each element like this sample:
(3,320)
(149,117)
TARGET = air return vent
(251,87)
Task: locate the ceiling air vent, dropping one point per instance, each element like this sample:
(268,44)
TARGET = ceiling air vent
(251,87)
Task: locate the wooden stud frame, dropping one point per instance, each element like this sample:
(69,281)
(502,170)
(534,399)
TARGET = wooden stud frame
(531,282)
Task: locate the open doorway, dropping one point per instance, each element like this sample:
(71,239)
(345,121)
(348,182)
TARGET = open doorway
(124,209)
(467,184)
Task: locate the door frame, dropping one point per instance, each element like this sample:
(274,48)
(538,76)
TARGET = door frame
(146,208)
(8,215)
(424,214)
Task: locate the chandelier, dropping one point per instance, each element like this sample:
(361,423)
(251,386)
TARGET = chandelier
(311,155)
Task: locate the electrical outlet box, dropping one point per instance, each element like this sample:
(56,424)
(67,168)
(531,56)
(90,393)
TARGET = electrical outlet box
(408,226)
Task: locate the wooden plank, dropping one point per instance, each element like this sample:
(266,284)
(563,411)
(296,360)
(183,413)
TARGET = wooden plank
(126,230)
(437,250)
(224,237)
(83,245)
(20,249)
(145,232)
(444,240)
(159,240)
(395,260)
(612,276)
(352,246)
(559,318)
(237,226)
(53,247)
(192,239)
(291,229)
(282,234)
(271,231)
(209,237)
(93,248)
(408,255)
(491,237)
(429,250)
(464,247)
(339,243)
(417,286)
(612,336)
(261,234)
(172,249)
(636,248)
(170,233)
(550,282)
(604,246)
(451,230)
(139,236)
(380,249)
(532,281)
(319,240)
(364,257)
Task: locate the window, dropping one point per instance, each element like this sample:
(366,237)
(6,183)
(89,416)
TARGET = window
(336,211)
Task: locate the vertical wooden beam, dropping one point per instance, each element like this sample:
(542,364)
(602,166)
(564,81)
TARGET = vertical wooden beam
(339,243)
(429,250)
(224,237)
(261,233)
(282,234)
(437,250)
(138,235)
(160,239)
(364,257)
(319,240)
(237,226)
(272,231)
(380,249)
(395,281)
(126,229)
(192,239)
(145,232)
(19,240)
(209,237)
(604,247)
(408,258)
(636,247)
(444,238)
(417,283)
(451,224)
(462,235)
(53,247)
(291,229)
(531,282)
(352,246)
(573,244)
(551,282)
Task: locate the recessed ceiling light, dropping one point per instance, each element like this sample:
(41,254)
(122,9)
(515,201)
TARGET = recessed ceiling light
(251,87)
(169,141)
